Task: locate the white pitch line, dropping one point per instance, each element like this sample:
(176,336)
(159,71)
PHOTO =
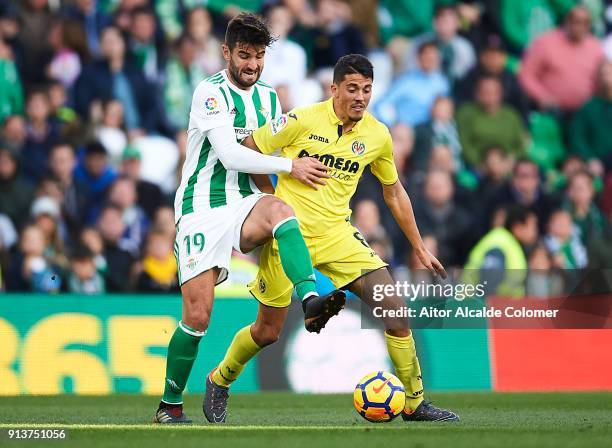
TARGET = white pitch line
(196,427)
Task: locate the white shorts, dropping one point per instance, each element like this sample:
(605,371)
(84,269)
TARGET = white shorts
(205,240)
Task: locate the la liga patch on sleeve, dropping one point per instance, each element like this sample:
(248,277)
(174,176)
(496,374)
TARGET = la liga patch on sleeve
(278,124)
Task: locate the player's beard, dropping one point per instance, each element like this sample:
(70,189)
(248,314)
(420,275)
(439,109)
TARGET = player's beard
(235,74)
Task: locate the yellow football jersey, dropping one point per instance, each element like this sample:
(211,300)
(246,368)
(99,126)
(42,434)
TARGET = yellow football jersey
(316,131)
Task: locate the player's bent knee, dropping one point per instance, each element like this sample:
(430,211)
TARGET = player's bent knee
(279,211)
(265,335)
(196,319)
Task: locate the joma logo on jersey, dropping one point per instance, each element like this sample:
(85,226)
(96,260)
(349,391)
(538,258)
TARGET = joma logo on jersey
(340,163)
(318,138)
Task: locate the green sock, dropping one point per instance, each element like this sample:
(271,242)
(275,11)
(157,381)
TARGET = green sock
(295,257)
(182,352)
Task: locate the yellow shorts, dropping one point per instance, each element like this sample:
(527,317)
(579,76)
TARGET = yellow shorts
(343,256)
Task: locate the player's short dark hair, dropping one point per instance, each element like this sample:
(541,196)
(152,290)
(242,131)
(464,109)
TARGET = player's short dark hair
(353,64)
(517,214)
(249,29)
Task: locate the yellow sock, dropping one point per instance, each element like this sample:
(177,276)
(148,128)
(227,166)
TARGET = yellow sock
(240,351)
(403,355)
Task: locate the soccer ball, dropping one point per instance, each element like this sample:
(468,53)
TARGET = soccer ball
(379,397)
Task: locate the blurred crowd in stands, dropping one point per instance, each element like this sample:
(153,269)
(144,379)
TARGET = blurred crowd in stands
(500,111)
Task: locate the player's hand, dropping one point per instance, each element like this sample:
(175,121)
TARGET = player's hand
(431,263)
(309,171)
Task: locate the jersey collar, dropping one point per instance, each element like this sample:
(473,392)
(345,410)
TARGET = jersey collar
(333,118)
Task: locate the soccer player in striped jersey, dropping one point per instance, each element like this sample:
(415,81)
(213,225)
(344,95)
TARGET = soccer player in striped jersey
(219,207)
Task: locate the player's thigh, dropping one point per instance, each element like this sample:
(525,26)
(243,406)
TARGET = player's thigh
(271,287)
(198,295)
(369,288)
(269,324)
(344,256)
(258,226)
(204,241)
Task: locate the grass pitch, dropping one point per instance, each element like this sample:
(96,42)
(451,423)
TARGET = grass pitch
(312,421)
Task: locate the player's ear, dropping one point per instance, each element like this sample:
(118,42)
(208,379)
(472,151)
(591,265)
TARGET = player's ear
(334,90)
(226,52)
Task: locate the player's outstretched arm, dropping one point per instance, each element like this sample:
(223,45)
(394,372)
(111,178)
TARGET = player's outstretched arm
(399,203)
(306,169)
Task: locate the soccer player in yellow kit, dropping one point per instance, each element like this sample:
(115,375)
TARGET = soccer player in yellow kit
(346,138)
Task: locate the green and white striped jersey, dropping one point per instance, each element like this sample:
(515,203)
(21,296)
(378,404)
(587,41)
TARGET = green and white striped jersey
(205,183)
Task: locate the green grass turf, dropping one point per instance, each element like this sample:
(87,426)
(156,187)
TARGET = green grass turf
(289,420)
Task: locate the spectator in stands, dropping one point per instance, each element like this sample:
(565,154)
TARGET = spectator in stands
(91,239)
(493,61)
(35,19)
(95,173)
(30,270)
(403,144)
(145,46)
(496,170)
(285,60)
(524,189)
(591,133)
(441,129)
(119,260)
(498,260)
(92,19)
(14,131)
(489,122)
(543,281)
(336,35)
(114,77)
(15,194)
(580,202)
(164,220)
(407,18)
(159,272)
(69,43)
(122,194)
(149,195)
(521,21)
(450,224)
(182,76)
(11,93)
(8,239)
(84,277)
(46,215)
(563,242)
(111,132)
(457,54)
(42,134)
(410,97)
(208,48)
(61,111)
(559,69)
(62,163)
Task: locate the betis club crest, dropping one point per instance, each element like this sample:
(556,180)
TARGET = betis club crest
(358,148)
